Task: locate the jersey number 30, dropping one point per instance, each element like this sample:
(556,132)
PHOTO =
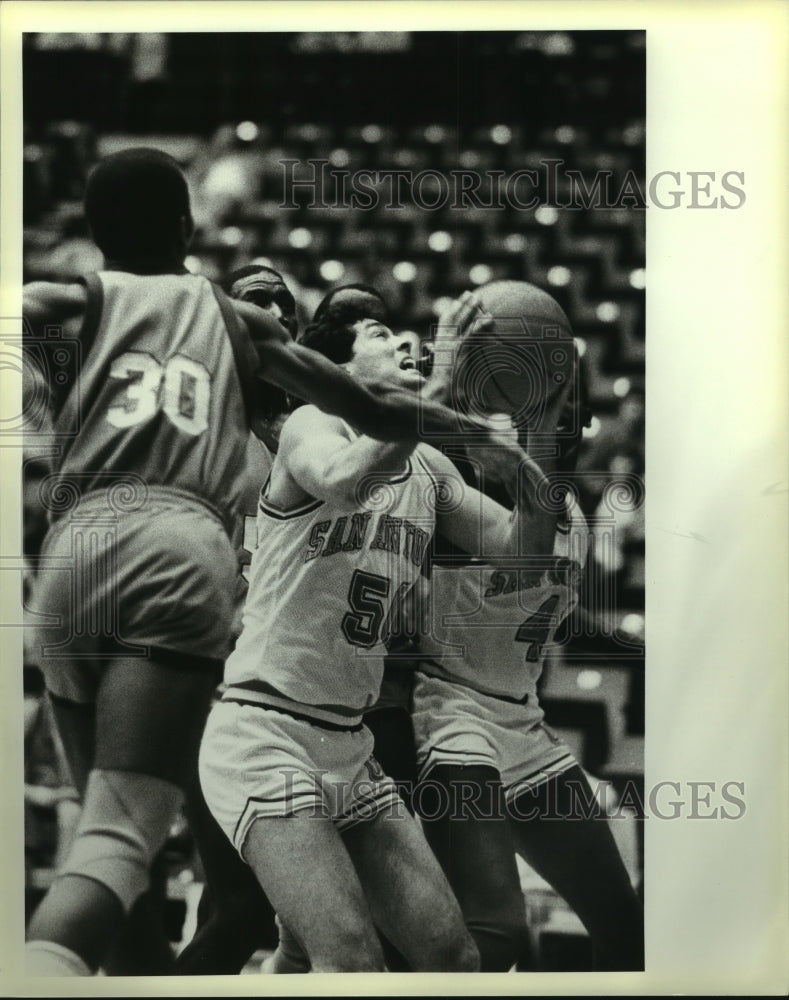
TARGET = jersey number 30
(181,388)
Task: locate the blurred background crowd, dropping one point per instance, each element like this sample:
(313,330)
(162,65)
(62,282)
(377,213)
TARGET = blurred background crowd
(232,107)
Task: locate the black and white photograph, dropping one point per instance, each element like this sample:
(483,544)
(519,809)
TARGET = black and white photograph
(370,563)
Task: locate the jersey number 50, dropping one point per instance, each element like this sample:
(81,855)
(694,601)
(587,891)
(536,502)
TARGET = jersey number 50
(181,388)
(364,624)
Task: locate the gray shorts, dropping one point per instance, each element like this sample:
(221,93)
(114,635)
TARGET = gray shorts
(157,582)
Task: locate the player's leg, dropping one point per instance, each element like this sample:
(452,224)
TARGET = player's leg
(289,956)
(76,725)
(464,819)
(149,716)
(393,732)
(234,917)
(143,947)
(410,899)
(393,735)
(308,876)
(562,833)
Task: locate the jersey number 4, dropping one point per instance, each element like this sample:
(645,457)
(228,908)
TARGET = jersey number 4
(181,388)
(536,629)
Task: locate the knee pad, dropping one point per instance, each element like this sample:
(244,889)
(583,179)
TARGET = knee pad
(125,821)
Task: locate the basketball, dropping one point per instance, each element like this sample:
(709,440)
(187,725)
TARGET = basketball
(515,365)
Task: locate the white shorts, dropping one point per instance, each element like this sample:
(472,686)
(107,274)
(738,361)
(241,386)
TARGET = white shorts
(258,762)
(457,725)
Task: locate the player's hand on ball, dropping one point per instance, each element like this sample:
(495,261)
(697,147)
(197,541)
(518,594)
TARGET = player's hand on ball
(502,458)
(463,316)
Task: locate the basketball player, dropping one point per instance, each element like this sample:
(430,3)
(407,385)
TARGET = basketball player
(234,916)
(286,761)
(154,430)
(479,728)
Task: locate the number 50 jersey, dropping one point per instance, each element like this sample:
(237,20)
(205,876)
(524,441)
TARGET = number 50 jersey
(488,628)
(325,592)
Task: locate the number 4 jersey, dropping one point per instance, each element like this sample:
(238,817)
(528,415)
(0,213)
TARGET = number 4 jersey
(488,628)
(158,395)
(325,591)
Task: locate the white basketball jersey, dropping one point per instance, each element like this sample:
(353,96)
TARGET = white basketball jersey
(488,628)
(325,589)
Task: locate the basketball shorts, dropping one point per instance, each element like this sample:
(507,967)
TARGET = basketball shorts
(156,583)
(458,725)
(258,762)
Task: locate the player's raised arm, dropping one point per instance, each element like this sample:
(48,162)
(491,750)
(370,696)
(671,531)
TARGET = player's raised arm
(327,461)
(480,525)
(475,523)
(380,408)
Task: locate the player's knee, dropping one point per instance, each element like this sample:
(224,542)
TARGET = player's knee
(353,951)
(452,951)
(125,821)
(461,955)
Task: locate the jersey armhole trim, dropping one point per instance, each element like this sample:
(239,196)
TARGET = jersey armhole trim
(243,352)
(88,331)
(93,311)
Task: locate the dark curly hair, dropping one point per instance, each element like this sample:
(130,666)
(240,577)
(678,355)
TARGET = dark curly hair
(368,299)
(332,334)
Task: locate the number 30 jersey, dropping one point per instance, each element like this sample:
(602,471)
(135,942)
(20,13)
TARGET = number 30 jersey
(158,396)
(326,585)
(488,628)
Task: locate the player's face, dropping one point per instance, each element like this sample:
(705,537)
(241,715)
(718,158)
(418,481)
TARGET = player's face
(286,316)
(276,310)
(413,341)
(378,353)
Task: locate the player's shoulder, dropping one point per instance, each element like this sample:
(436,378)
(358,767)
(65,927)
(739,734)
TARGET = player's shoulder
(435,460)
(308,422)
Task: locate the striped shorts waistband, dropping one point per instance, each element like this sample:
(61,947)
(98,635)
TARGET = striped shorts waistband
(237,698)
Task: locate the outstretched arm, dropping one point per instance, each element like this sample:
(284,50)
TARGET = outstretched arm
(383,410)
